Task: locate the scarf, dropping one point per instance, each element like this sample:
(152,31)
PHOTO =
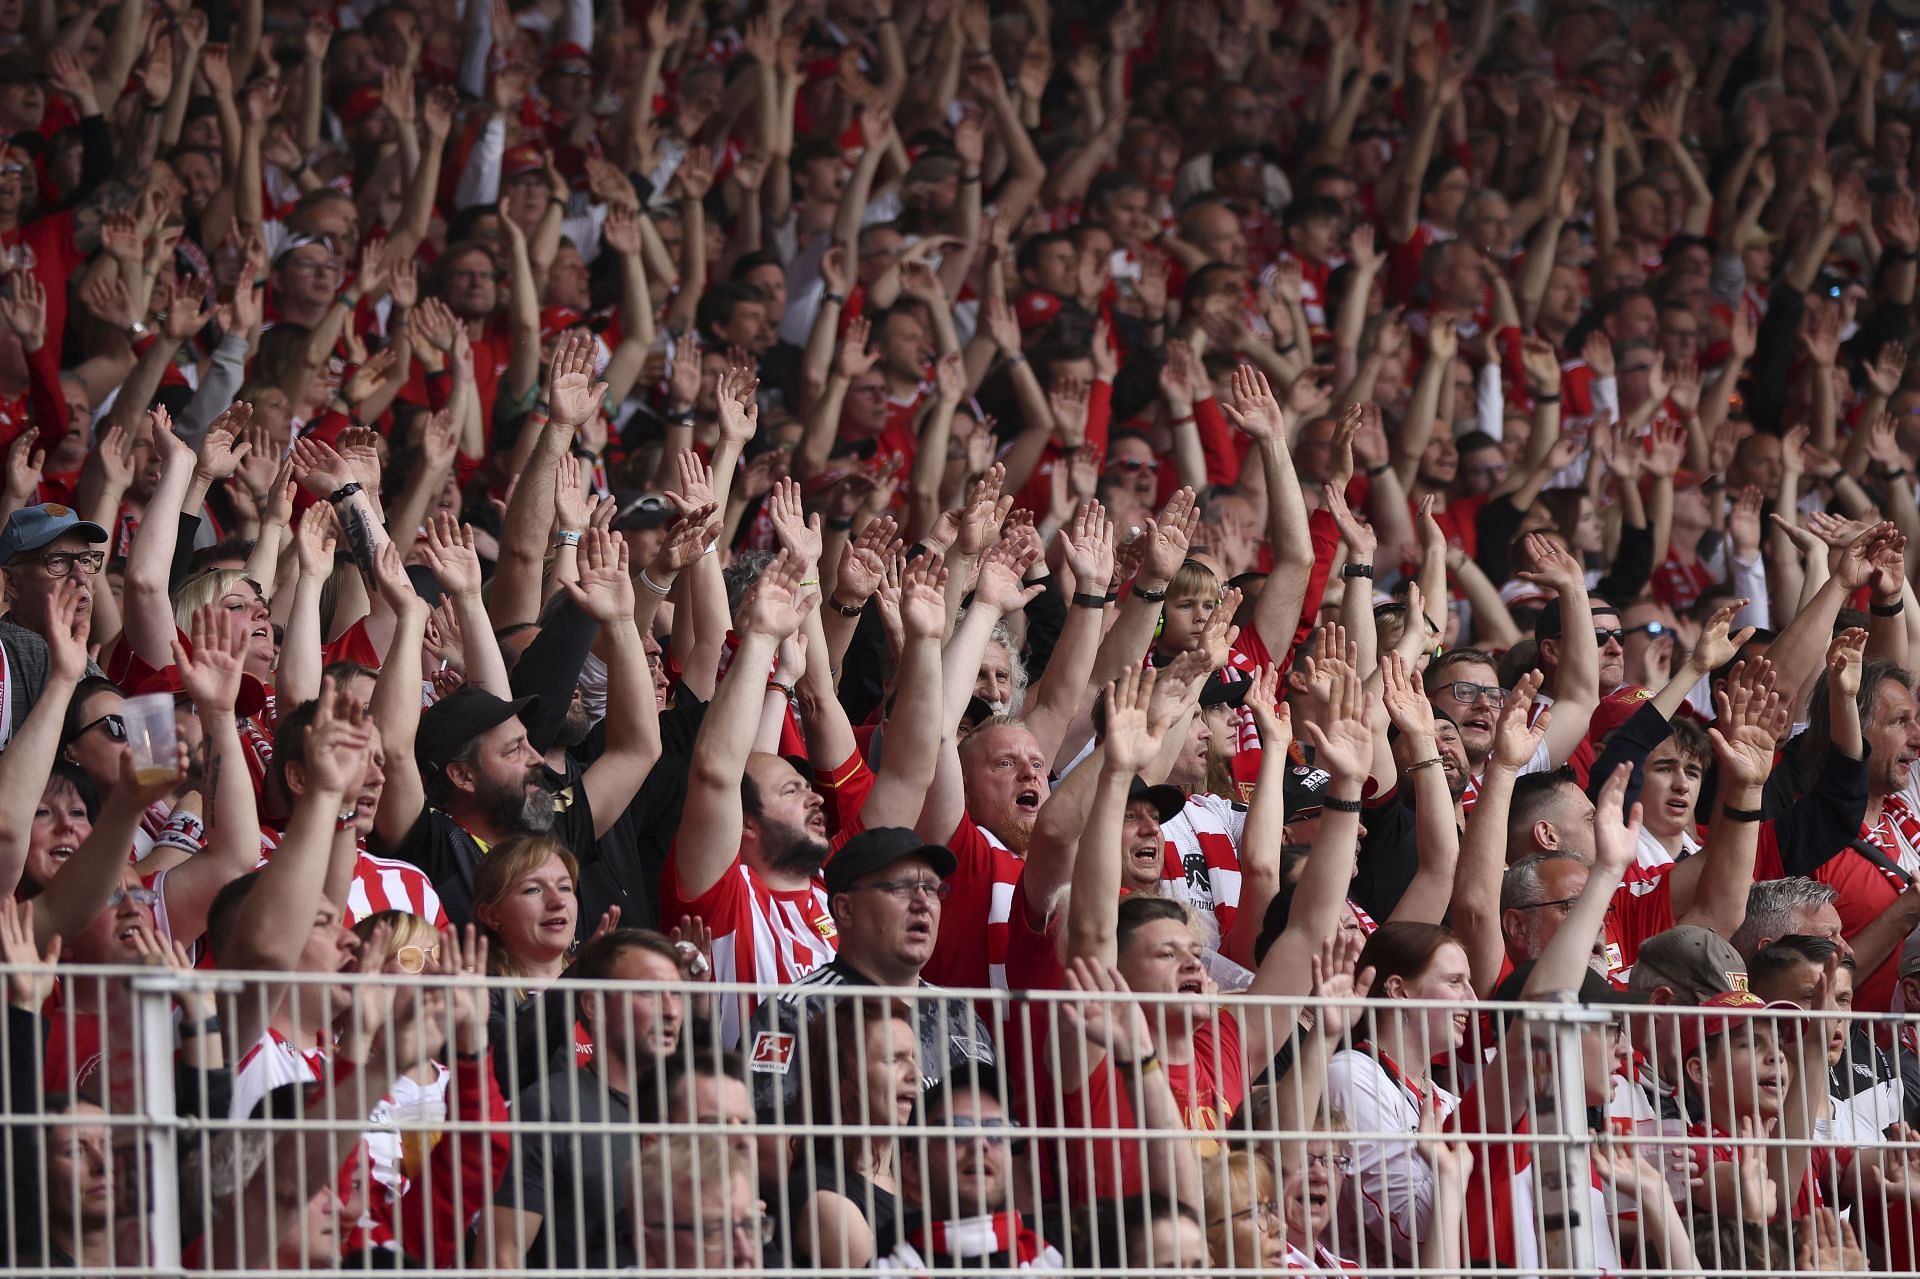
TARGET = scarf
(1001,1237)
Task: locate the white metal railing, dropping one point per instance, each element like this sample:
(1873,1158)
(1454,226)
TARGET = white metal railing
(794,1151)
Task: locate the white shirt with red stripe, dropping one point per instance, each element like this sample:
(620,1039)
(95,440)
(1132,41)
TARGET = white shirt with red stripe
(1391,1186)
(1202,863)
(1897,833)
(379,883)
(759,934)
(271,1063)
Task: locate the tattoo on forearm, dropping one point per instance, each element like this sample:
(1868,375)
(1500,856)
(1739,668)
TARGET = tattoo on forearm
(212,787)
(359,526)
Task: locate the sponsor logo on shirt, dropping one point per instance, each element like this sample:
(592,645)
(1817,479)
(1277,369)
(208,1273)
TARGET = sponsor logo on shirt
(772,1052)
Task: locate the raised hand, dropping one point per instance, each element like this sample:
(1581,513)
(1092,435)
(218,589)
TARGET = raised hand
(1360,538)
(1133,736)
(1272,717)
(1616,833)
(448,549)
(796,531)
(986,510)
(923,603)
(69,621)
(1407,706)
(1518,732)
(1716,646)
(211,672)
(1089,546)
(572,394)
(738,395)
(31,978)
(1751,721)
(1168,537)
(1341,736)
(1845,658)
(1106,1019)
(605,589)
(25,466)
(1554,568)
(999,584)
(776,602)
(864,561)
(1252,407)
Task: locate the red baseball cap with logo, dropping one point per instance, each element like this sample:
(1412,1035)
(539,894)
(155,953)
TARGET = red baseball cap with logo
(1035,309)
(1616,708)
(524,158)
(1734,1007)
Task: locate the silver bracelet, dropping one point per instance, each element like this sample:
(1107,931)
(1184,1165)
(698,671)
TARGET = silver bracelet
(654,586)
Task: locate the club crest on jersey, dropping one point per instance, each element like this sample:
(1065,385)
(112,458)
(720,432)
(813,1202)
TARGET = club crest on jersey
(772,1052)
(823,924)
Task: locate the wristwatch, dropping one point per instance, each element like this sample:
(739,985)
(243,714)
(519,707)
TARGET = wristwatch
(137,330)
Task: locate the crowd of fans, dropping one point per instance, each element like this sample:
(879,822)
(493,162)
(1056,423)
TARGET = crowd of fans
(1319,529)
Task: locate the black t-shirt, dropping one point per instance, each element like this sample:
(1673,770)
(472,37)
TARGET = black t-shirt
(450,855)
(633,852)
(568,1178)
(1388,857)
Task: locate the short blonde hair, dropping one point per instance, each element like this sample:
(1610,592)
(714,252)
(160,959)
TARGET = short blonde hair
(208,588)
(1232,1183)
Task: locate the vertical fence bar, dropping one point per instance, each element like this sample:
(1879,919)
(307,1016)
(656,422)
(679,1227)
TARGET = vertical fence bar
(153,1044)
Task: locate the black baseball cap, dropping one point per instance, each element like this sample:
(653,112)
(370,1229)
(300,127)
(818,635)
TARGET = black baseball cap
(648,510)
(1167,801)
(455,720)
(1217,690)
(879,848)
(1303,790)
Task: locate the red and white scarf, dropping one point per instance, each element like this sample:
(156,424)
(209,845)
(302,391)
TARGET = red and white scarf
(1897,834)
(1001,1235)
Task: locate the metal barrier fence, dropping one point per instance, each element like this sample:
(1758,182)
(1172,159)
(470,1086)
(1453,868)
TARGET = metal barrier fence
(468,1125)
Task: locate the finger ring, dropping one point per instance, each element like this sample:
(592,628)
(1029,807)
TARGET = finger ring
(469,968)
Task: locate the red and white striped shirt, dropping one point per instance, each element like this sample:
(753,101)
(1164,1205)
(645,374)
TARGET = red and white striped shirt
(1202,864)
(269,1064)
(985,885)
(379,883)
(759,934)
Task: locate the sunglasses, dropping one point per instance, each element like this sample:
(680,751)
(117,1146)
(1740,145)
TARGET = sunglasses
(413,959)
(1131,464)
(1601,636)
(116,727)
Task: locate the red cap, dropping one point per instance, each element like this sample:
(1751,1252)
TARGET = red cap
(1035,309)
(524,158)
(1734,1006)
(1615,709)
(252,697)
(567,51)
(360,104)
(555,320)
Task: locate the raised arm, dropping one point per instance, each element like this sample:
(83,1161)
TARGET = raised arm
(1751,713)
(1054,702)
(1276,609)
(31,751)
(396,707)
(148,621)
(1576,683)
(605,593)
(709,838)
(1483,854)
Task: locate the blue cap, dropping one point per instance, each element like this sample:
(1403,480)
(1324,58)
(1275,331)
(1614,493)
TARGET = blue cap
(32,527)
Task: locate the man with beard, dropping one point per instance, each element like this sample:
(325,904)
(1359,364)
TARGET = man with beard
(753,833)
(464,775)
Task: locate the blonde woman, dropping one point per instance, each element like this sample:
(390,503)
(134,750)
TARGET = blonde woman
(425,1183)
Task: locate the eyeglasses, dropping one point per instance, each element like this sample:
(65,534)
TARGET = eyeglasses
(116,727)
(1466,692)
(413,959)
(994,1132)
(1331,1163)
(1601,636)
(758,1227)
(62,563)
(138,896)
(902,890)
(1265,1213)
(1652,629)
(1150,465)
(1564,905)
